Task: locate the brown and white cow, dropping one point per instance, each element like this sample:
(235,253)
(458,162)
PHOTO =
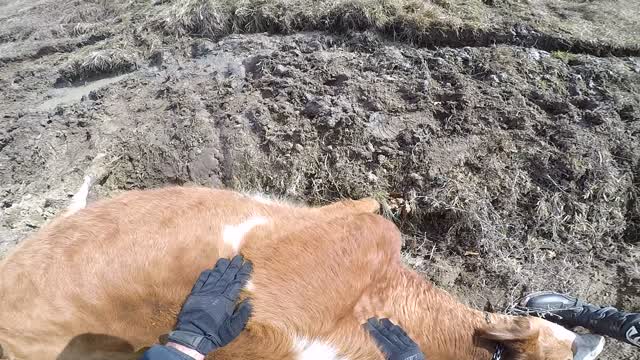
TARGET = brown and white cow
(108,280)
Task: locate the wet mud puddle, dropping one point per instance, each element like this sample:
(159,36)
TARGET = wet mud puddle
(69,95)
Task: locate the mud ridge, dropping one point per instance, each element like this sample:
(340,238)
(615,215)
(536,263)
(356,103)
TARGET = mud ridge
(432,36)
(63,47)
(518,35)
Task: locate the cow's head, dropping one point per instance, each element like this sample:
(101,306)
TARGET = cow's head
(530,338)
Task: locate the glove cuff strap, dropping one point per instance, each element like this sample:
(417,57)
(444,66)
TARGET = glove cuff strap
(189,339)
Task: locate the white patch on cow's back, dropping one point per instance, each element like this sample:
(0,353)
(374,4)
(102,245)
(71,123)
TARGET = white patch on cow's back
(306,349)
(250,286)
(272,200)
(233,235)
(264,199)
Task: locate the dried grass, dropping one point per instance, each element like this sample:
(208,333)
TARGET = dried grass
(508,216)
(214,18)
(404,19)
(98,64)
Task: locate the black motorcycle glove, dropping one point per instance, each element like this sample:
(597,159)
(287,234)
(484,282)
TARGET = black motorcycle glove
(209,318)
(393,341)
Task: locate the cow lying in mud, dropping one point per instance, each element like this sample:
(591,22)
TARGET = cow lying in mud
(110,279)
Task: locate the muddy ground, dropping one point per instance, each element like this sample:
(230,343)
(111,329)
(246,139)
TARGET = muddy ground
(509,168)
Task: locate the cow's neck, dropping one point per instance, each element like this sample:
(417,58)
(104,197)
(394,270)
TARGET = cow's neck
(443,327)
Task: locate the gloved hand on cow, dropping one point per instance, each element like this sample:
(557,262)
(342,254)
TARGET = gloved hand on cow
(393,341)
(209,318)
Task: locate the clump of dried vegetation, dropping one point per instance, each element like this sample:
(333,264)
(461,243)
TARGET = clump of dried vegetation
(214,18)
(492,208)
(98,64)
(588,22)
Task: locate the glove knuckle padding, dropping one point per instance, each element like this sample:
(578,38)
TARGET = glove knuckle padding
(208,320)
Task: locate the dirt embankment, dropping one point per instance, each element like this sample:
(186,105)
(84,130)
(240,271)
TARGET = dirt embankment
(509,168)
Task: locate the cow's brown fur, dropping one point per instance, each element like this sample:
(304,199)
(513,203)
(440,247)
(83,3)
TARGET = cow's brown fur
(110,279)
